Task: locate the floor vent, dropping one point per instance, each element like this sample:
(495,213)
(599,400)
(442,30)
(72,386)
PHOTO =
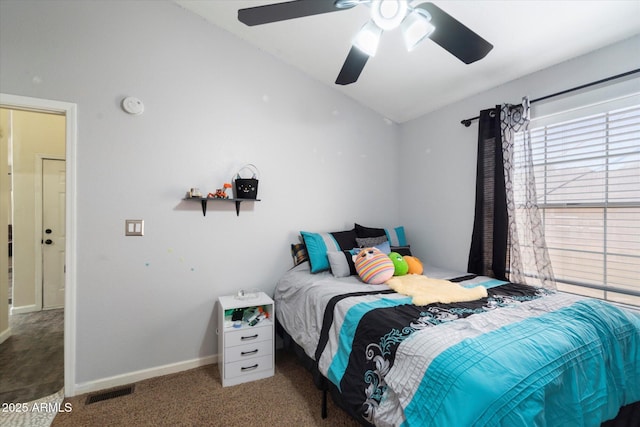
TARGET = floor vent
(111,394)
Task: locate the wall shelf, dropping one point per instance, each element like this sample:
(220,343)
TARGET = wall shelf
(204,200)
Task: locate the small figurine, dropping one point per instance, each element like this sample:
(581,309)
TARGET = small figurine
(221,192)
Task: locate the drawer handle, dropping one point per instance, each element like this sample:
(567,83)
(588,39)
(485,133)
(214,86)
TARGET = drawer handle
(249,368)
(246,353)
(252,337)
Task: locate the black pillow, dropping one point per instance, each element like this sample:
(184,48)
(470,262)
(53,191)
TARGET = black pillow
(362,231)
(402,250)
(346,239)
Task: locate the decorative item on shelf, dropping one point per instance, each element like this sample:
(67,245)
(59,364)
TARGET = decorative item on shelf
(221,193)
(194,192)
(247,188)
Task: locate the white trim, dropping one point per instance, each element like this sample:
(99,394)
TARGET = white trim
(37,230)
(144,374)
(25,309)
(4,335)
(70,110)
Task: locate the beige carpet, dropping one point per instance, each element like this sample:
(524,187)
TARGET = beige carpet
(196,398)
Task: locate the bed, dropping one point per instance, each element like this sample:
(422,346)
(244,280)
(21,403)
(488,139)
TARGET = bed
(521,356)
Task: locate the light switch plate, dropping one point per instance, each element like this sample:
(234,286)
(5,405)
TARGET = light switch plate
(134,227)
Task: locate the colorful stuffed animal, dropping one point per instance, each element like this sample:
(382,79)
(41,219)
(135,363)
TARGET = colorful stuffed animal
(373,266)
(415,265)
(399,263)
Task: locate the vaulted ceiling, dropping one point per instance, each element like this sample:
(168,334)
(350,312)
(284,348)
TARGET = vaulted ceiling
(527,36)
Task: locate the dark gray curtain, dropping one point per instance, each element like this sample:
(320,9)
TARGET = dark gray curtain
(488,254)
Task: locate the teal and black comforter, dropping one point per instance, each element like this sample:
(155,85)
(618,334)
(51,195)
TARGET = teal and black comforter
(523,356)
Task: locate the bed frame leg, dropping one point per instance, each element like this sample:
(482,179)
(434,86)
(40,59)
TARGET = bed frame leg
(324,404)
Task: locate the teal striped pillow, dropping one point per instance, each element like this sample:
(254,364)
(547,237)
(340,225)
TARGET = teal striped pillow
(318,244)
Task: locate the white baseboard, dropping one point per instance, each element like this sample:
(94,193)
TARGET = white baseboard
(4,335)
(132,377)
(24,309)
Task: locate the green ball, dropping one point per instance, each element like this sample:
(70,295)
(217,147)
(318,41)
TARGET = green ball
(399,263)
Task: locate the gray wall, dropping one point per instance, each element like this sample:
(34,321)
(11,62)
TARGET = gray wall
(212,104)
(438,154)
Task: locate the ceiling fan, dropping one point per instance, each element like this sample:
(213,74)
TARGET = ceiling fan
(416,23)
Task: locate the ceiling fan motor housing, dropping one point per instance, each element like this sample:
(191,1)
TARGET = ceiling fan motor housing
(388,14)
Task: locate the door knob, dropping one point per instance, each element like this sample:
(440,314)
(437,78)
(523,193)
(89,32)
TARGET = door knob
(48,241)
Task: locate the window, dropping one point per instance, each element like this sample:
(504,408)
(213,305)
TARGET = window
(587,173)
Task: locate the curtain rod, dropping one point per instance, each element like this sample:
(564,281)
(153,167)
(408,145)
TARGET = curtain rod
(467,122)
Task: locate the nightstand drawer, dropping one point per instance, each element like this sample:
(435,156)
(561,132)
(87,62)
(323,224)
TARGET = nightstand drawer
(249,366)
(248,335)
(247,351)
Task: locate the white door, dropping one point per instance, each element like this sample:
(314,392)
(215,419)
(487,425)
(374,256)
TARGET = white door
(53,232)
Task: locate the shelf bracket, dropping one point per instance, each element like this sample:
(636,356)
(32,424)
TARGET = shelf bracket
(204,200)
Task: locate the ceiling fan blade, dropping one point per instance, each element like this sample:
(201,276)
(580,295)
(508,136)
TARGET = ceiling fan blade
(352,67)
(282,11)
(455,37)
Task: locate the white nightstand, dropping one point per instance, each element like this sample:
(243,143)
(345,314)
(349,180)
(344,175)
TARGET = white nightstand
(245,353)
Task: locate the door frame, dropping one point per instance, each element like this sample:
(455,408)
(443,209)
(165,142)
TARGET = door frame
(39,207)
(70,111)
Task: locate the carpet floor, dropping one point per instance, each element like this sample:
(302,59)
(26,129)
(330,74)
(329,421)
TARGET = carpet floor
(197,398)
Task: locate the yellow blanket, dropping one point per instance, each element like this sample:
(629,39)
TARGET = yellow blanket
(426,290)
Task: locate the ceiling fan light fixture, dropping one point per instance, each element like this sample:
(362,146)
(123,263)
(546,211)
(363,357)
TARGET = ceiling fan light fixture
(416,27)
(388,14)
(368,38)
(417,21)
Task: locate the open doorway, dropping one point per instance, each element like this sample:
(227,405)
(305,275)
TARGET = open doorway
(33,357)
(65,250)
(37,188)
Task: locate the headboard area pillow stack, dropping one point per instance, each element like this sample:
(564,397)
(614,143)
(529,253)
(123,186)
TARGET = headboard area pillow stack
(395,236)
(334,250)
(371,236)
(318,244)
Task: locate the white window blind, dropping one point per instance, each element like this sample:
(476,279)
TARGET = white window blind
(587,172)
